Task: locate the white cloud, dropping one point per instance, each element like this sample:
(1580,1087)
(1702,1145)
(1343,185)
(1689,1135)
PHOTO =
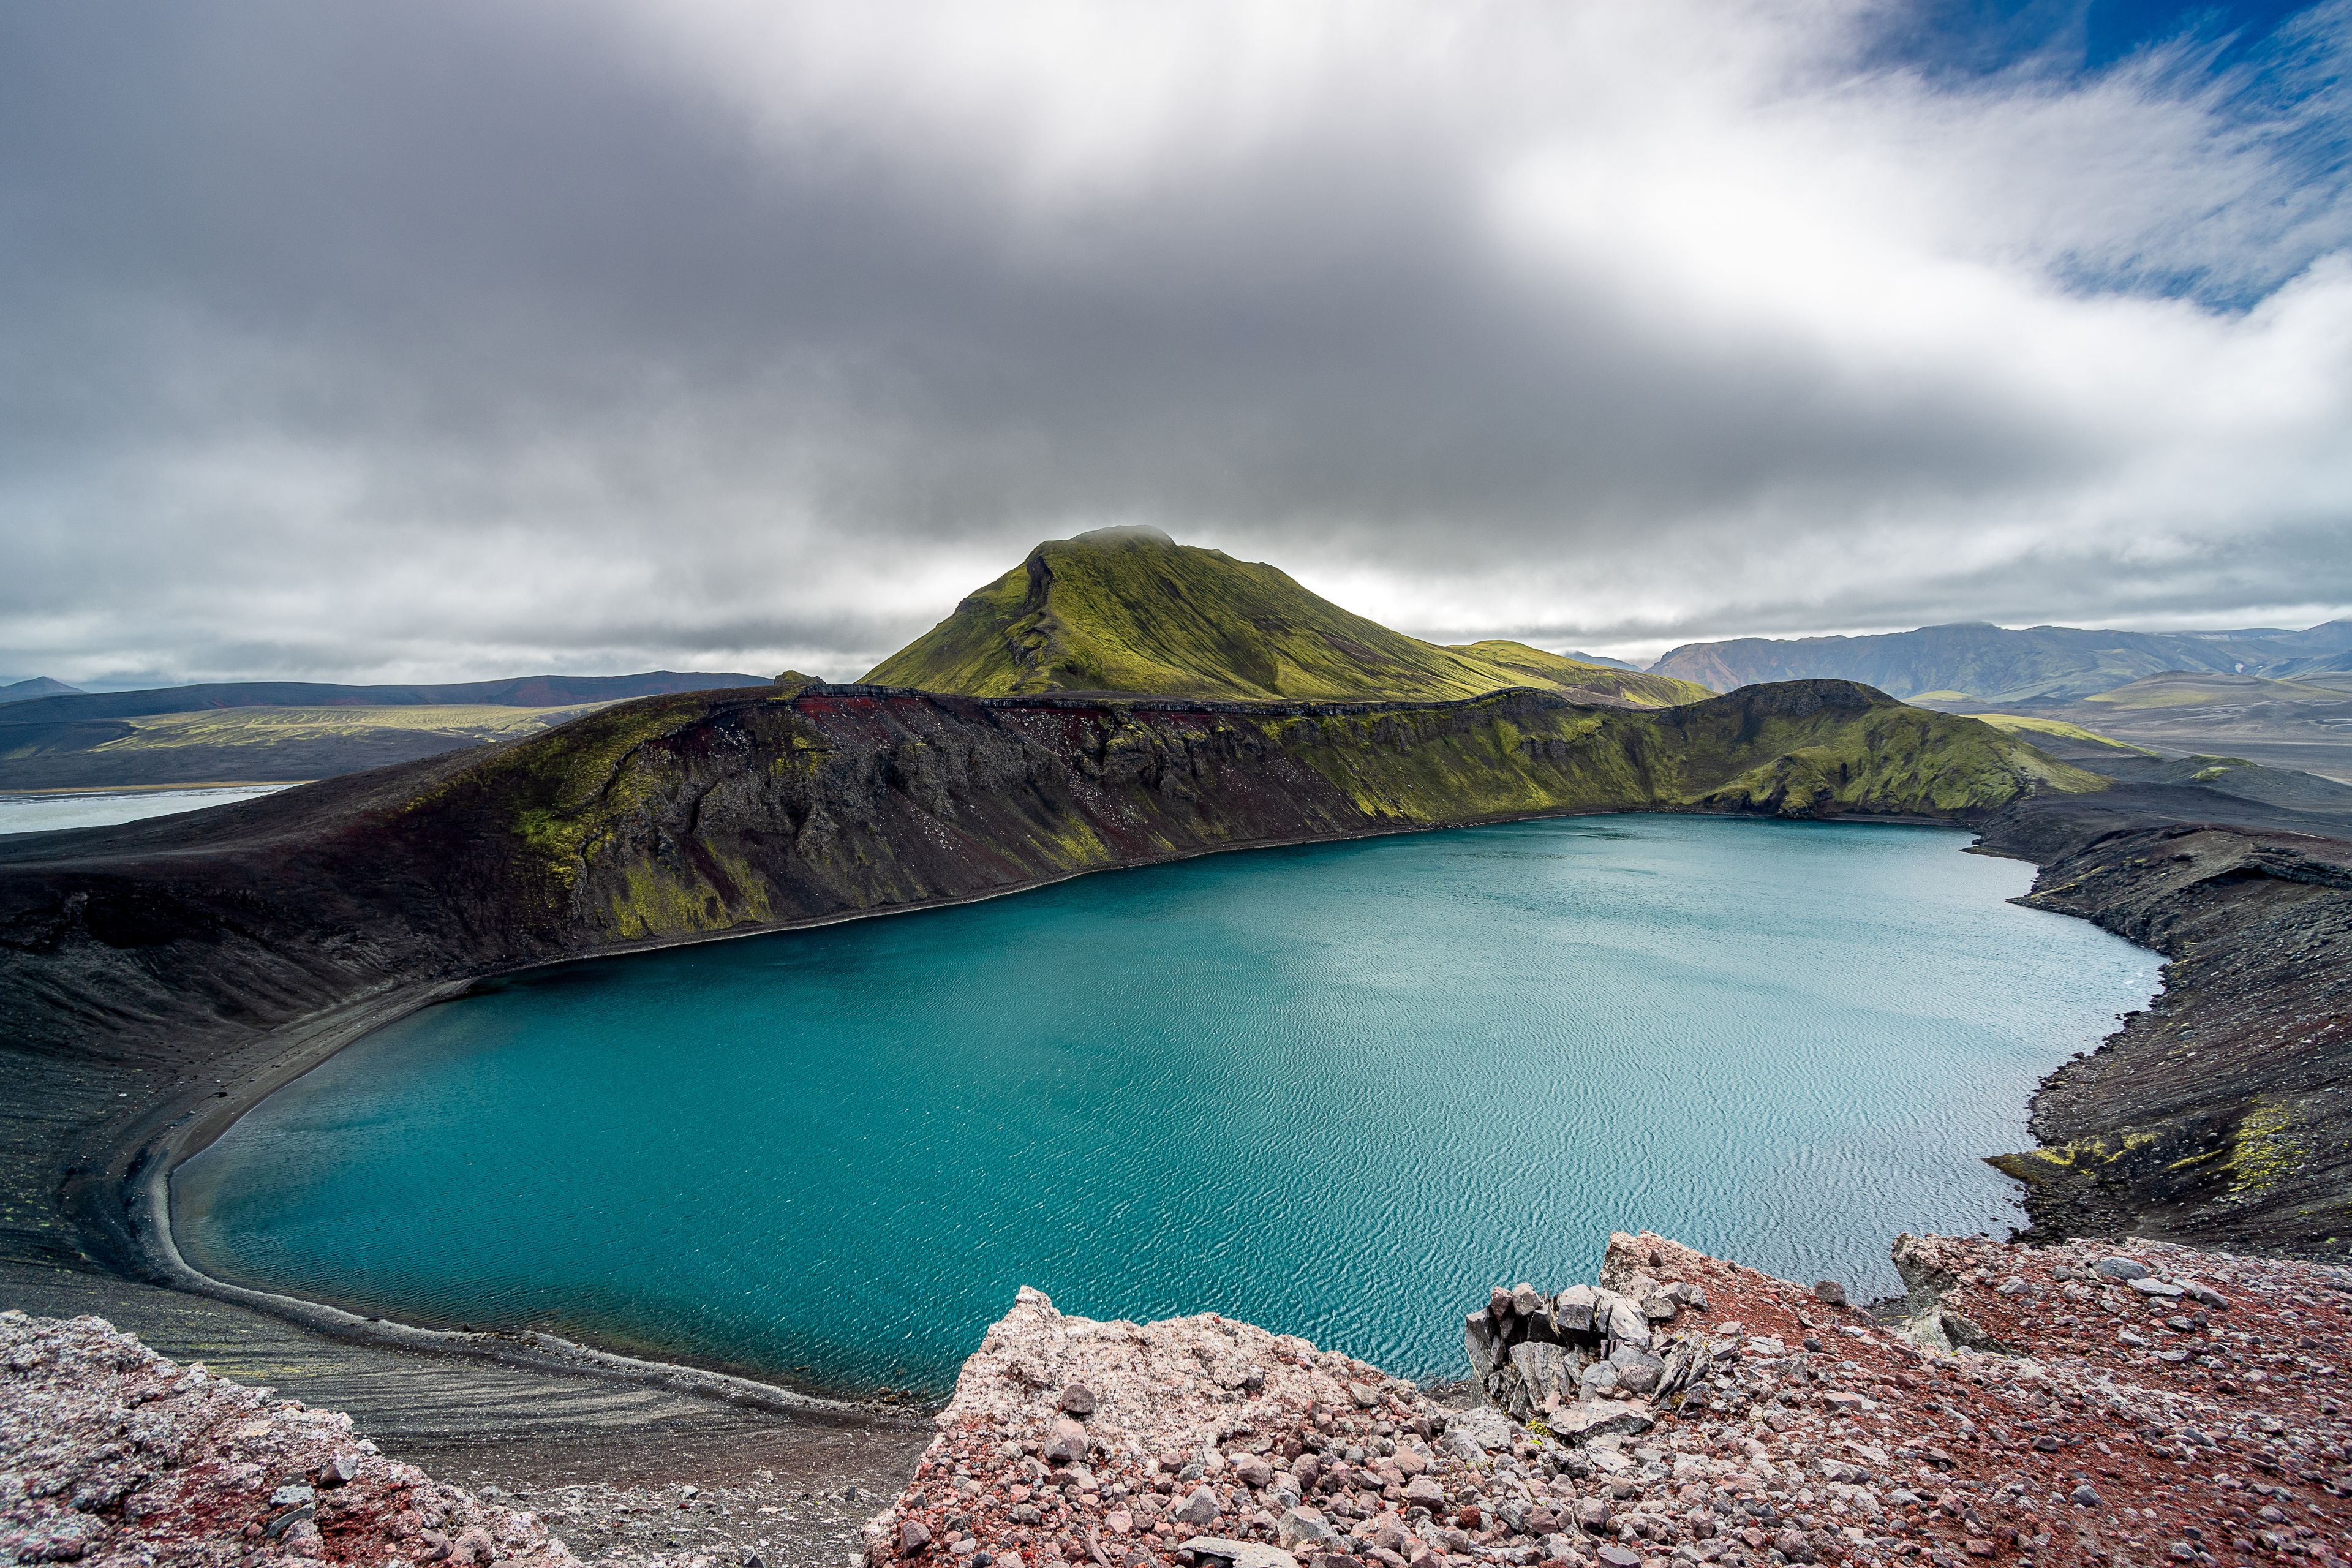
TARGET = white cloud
(756,333)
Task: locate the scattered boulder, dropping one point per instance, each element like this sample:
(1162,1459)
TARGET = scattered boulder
(1701,1442)
(1829,1293)
(1478,1432)
(1077,1400)
(1572,1309)
(1304,1526)
(1638,1372)
(1590,1418)
(1067,1443)
(112,1453)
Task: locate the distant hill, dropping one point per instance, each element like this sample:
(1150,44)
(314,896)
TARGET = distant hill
(269,732)
(1565,672)
(1130,610)
(520,691)
(1987,663)
(39,686)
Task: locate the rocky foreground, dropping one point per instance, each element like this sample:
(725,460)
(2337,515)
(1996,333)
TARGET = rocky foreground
(111,1454)
(2085,1404)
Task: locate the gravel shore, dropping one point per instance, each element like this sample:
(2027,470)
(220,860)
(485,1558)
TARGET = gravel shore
(606,1463)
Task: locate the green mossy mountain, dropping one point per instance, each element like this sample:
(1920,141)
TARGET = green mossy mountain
(728,810)
(1054,787)
(1129,610)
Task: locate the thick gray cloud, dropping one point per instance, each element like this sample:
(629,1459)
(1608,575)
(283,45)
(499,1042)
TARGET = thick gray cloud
(455,339)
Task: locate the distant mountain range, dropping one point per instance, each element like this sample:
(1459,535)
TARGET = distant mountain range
(39,686)
(1130,610)
(272,730)
(62,702)
(1986,663)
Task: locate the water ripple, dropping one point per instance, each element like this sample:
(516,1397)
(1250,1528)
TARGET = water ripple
(1336,1090)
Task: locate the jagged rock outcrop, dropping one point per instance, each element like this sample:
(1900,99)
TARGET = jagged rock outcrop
(2122,1422)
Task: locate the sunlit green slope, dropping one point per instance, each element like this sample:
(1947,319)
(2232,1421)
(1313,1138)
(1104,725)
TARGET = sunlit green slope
(1128,609)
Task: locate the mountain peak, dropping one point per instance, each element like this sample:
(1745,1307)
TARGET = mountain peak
(38,686)
(1128,609)
(1116,534)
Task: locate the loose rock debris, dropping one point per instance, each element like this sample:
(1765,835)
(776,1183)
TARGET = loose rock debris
(110,1454)
(2097,1404)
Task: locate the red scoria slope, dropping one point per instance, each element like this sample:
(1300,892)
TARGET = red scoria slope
(2029,1409)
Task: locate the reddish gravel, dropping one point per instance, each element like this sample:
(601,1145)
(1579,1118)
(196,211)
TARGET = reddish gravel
(2021,1406)
(111,1454)
(2008,1417)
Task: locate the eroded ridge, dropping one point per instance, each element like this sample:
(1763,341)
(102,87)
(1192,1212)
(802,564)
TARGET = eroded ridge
(2093,1403)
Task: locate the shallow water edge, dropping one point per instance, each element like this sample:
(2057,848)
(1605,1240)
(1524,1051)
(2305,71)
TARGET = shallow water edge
(1867,969)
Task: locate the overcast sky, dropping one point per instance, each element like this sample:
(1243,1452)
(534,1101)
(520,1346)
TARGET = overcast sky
(452,340)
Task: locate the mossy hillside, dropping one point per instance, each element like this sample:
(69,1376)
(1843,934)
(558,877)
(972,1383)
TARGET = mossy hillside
(2034,725)
(1520,664)
(561,795)
(679,816)
(1129,610)
(263,728)
(1817,747)
(2197,689)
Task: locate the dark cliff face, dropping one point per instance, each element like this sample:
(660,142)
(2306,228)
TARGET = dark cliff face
(2220,1115)
(139,958)
(676,816)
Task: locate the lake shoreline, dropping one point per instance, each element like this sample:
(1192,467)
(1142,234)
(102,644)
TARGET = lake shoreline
(149,1159)
(152,969)
(323,1038)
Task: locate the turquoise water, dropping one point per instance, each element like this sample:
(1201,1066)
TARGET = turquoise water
(1335,1090)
